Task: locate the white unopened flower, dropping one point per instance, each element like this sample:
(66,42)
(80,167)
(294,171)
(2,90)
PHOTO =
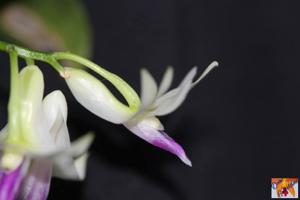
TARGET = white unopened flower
(39,145)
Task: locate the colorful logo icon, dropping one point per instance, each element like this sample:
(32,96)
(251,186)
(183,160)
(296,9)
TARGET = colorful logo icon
(286,188)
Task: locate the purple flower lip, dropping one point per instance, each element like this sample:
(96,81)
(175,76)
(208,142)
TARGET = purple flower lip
(151,130)
(29,181)
(10,181)
(36,183)
(167,143)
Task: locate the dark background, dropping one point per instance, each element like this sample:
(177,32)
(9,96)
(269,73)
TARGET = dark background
(239,126)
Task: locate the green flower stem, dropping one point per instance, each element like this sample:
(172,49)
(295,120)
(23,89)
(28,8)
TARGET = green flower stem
(29,61)
(14,95)
(126,90)
(32,55)
(53,59)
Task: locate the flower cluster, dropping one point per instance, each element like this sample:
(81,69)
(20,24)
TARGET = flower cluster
(155,101)
(35,144)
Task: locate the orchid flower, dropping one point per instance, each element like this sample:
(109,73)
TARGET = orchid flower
(35,144)
(142,121)
(158,101)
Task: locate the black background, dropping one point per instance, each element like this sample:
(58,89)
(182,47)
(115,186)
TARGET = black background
(239,126)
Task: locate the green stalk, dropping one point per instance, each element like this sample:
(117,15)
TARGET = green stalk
(126,90)
(13,105)
(32,55)
(29,61)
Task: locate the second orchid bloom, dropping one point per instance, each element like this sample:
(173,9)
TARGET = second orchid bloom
(35,144)
(141,118)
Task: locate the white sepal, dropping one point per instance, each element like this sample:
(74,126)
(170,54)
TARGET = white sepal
(55,112)
(174,98)
(206,71)
(166,81)
(148,88)
(71,163)
(95,97)
(31,95)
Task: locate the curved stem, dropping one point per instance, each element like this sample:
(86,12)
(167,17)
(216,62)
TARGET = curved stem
(14,94)
(32,55)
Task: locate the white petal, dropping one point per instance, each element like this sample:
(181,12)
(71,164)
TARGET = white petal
(80,165)
(174,98)
(188,77)
(32,90)
(206,71)
(166,81)
(33,124)
(66,167)
(68,163)
(55,111)
(81,145)
(33,133)
(95,97)
(76,149)
(148,88)
(55,103)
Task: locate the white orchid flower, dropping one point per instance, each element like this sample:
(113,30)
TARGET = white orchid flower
(155,101)
(158,101)
(35,144)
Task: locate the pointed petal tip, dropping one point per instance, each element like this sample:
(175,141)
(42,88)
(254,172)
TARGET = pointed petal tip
(143,70)
(87,139)
(81,165)
(81,145)
(90,136)
(215,63)
(167,143)
(194,70)
(206,71)
(170,69)
(210,67)
(148,88)
(186,160)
